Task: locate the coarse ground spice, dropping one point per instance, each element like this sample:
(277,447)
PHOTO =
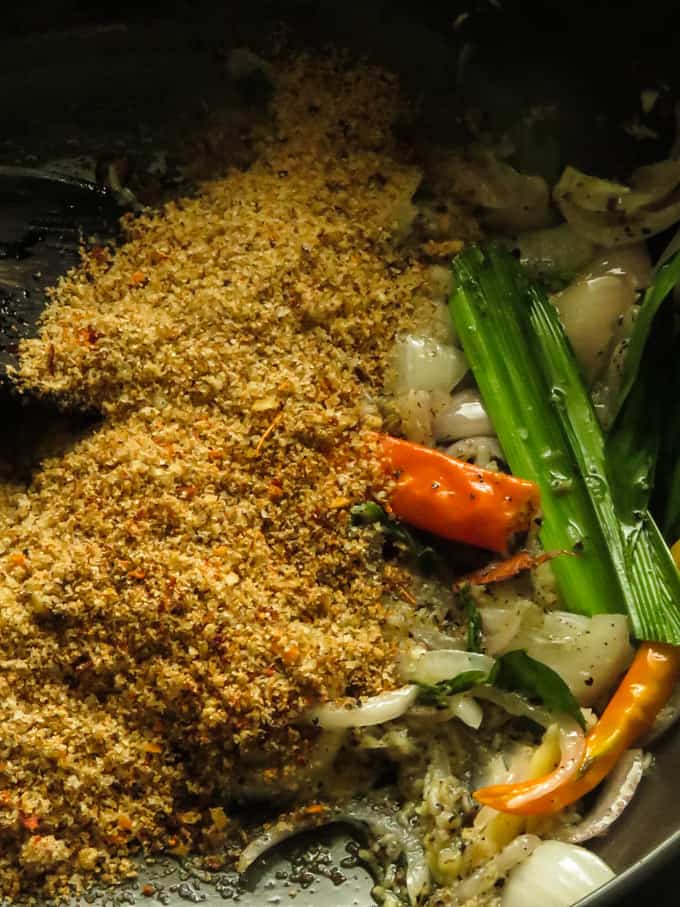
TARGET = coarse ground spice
(182,583)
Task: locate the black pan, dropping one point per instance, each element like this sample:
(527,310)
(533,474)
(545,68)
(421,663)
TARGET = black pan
(84,91)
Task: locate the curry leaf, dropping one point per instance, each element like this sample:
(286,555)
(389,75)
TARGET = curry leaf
(474,630)
(438,693)
(520,673)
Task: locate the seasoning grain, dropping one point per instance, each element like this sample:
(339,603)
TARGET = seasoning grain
(182,583)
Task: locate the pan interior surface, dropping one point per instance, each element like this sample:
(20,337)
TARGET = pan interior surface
(429,52)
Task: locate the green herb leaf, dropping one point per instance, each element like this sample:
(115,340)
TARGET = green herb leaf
(520,673)
(474,631)
(665,279)
(438,693)
(369,513)
(515,672)
(618,480)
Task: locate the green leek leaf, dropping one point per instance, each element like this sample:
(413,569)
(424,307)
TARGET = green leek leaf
(489,307)
(532,387)
(666,278)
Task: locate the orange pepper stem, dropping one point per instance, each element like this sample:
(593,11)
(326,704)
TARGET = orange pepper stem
(454,499)
(629,715)
(500,571)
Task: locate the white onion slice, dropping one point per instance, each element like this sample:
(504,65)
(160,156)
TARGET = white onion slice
(502,625)
(631,262)
(484,878)
(514,704)
(589,310)
(461,416)
(572,747)
(425,364)
(557,874)
(443,664)
(478,450)
(276,834)
(589,653)
(415,414)
(381,822)
(463,707)
(468,711)
(373,710)
(615,796)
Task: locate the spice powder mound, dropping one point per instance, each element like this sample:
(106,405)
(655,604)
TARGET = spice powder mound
(182,583)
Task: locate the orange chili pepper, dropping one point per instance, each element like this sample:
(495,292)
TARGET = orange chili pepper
(631,712)
(629,715)
(454,499)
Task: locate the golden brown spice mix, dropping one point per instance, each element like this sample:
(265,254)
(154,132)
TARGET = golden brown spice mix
(180,584)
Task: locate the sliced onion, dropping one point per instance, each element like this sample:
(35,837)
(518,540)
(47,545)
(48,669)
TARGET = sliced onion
(468,711)
(484,878)
(630,262)
(461,416)
(373,710)
(514,704)
(572,748)
(434,638)
(557,874)
(612,214)
(415,414)
(425,364)
(615,796)
(589,653)
(463,707)
(481,451)
(589,310)
(381,822)
(510,200)
(502,625)
(443,664)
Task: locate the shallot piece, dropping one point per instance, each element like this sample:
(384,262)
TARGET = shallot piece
(484,878)
(557,874)
(589,310)
(615,796)
(373,710)
(442,664)
(481,450)
(460,416)
(463,707)
(426,364)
